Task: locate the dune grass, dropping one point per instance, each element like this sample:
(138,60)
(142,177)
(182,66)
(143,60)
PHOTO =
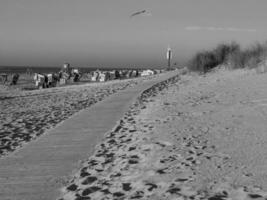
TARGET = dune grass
(230,55)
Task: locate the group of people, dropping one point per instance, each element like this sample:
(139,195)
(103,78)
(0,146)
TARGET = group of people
(51,80)
(68,74)
(46,80)
(101,76)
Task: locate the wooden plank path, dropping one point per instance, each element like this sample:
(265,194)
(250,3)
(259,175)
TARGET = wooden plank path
(39,169)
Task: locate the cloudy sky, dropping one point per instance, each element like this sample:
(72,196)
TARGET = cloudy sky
(103,32)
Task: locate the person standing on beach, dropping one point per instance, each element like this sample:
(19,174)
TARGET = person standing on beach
(15,79)
(117,74)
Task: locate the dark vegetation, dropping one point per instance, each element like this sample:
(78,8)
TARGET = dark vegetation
(230,55)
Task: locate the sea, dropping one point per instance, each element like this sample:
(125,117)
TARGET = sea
(42,70)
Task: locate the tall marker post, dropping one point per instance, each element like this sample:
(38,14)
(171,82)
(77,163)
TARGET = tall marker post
(169,57)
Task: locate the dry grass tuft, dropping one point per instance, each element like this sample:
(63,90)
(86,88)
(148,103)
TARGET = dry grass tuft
(232,56)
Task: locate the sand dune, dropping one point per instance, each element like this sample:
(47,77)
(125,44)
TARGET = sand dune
(202,138)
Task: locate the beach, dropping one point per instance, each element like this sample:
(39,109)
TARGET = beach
(25,115)
(133,100)
(195,137)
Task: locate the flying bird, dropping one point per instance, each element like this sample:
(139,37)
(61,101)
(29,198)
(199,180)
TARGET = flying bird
(140,13)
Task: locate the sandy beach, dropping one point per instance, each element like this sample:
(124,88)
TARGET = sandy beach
(196,137)
(133,100)
(25,115)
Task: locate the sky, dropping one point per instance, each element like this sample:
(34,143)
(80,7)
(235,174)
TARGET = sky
(102,33)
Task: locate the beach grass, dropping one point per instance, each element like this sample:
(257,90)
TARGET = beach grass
(230,55)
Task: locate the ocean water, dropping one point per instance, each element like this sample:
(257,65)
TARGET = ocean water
(19,70)
(44,70)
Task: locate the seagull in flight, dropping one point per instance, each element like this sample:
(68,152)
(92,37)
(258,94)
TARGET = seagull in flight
(140,13)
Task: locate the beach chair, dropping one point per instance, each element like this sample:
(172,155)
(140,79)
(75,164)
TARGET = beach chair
(3,78)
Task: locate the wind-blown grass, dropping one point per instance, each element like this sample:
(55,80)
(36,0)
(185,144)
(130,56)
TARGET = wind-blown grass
(230,55)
